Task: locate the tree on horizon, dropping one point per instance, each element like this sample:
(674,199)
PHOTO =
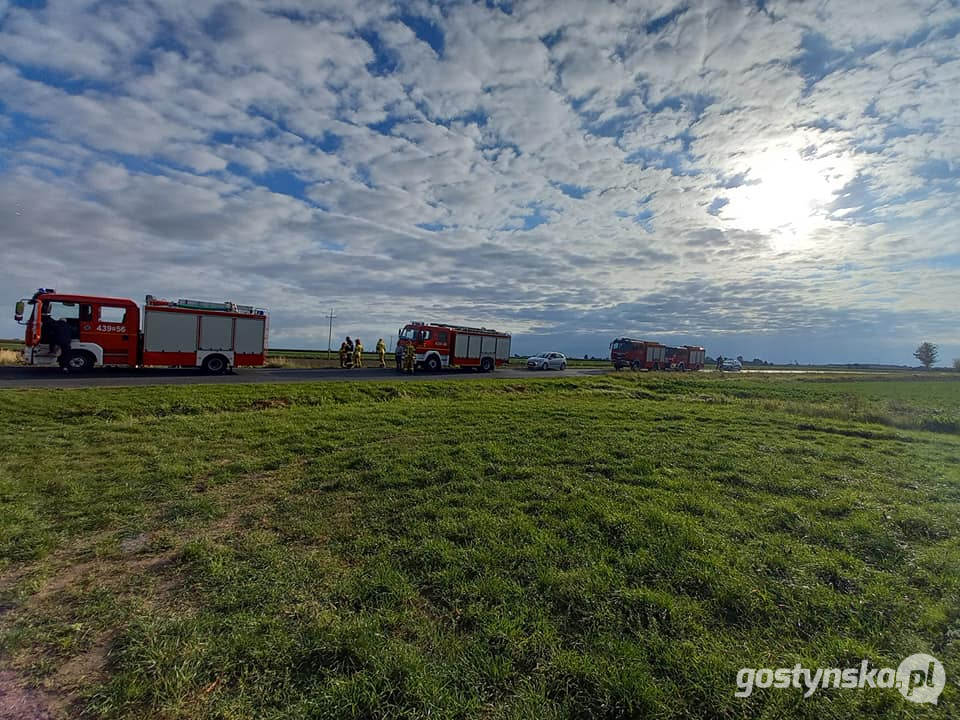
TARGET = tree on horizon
(926,353)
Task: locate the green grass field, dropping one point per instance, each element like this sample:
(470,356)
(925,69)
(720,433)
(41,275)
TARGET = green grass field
(615,546)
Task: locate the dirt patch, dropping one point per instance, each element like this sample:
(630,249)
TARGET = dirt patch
(23,700)
(18,701)
(135,544)
(87,668)
(145,567)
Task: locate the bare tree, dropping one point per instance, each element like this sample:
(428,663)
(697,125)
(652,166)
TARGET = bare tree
(926,353)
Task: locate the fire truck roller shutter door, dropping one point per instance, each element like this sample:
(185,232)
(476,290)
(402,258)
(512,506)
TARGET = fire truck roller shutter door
(473,348)
(488,345)
(169,332)
(460,346)
(249,338)
(216,332)
(503,348)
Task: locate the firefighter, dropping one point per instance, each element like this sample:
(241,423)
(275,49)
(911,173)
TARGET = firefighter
(344,354)
(62,337)
(409,358)
(48,328)
(349,344)
(357,353)
(719,362)
(382,352)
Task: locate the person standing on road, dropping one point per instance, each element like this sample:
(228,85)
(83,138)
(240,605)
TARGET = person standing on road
(357,353)
(719,362)
(344,354)
(349,344)
(63,337)
(409,358)
(382,352)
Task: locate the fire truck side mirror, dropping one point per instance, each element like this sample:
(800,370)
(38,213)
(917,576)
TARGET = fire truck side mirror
(19,310)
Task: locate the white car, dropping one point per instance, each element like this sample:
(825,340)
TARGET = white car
(547,361)
(731,365)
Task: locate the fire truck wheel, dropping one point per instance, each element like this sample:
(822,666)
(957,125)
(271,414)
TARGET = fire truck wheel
(432,364)
(486,365)
(79,361)
(635,365)
(214,364)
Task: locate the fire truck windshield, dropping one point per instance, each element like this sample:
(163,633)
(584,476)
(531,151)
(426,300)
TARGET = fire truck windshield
(415,334)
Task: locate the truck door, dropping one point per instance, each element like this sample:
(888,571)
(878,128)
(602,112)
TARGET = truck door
(76,315)
(32,334)
(114,330)
(442,343)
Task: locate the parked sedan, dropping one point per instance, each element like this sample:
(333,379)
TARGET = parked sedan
(547,361)
(731,365)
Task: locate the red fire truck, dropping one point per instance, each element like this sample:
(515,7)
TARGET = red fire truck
(79,332)
(441,346)
(648,355)
(686,357)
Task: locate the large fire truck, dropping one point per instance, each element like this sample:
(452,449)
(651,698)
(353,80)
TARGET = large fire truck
(686,357)
(445,346)
(648,355)
(79,332)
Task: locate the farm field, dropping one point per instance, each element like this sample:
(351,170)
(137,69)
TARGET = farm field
(614,546)
(10,352)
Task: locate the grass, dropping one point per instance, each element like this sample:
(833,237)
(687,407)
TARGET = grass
(317,359)
(614,546)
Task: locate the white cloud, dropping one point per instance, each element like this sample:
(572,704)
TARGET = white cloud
(547,169)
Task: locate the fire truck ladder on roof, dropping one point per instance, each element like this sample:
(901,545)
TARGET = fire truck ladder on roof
(202,305)
(225,306)
(466,328)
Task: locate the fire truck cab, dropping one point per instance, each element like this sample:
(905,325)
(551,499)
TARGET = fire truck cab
(638,354)
(80,332)
(445,346)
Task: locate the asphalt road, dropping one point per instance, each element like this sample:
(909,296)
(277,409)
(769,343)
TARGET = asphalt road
(30,377)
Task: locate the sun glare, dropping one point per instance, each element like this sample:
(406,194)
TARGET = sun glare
(786,195)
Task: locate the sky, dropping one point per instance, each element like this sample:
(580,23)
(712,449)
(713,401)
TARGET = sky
(771,179)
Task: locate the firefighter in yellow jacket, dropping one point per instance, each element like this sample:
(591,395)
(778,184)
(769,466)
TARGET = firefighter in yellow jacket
(382,353)
(349,343)
(357,353)
(409,358)
(344,354)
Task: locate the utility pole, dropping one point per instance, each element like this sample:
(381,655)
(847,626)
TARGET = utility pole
(330,317)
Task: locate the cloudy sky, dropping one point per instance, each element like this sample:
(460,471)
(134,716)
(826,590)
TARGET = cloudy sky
(772,178)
